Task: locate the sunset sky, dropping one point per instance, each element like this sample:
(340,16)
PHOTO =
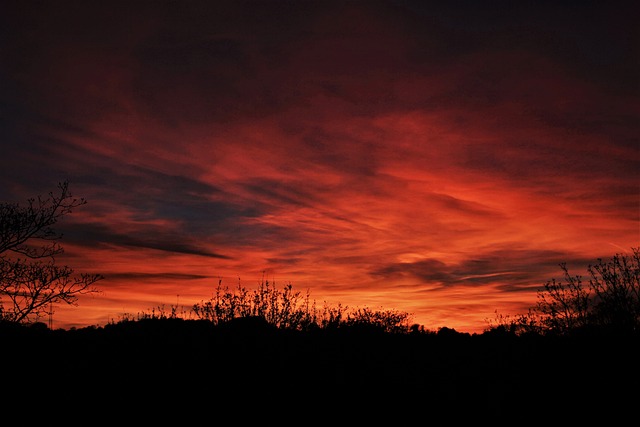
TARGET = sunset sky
(440,158)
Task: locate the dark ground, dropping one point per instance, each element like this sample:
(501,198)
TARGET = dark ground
(177,372)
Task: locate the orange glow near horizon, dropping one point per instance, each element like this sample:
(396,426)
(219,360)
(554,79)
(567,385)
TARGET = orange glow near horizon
(397,156)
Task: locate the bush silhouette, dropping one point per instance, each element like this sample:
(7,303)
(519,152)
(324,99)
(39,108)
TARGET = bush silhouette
(609,303)
(288,309)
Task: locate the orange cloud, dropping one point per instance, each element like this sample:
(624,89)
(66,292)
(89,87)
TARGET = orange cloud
(399,156)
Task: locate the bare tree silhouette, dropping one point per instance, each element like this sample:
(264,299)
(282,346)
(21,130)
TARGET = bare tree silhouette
(30,279)
(609,302)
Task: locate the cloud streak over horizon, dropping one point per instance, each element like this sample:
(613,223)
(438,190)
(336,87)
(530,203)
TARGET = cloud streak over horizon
(439,159)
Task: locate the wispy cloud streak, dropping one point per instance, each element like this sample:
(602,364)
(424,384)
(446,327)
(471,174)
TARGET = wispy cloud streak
(432,158)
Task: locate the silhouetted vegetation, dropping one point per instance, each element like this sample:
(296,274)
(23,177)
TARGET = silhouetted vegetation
(288,309)
(277,344)
(609,303)
(30,279)
(194,363)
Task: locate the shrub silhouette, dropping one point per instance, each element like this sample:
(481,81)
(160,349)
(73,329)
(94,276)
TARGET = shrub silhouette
(288,309)
(609,303)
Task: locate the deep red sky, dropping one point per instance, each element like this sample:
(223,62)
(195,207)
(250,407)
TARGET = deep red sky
(438,158)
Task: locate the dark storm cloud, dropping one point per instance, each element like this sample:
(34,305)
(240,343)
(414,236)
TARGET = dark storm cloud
(201,212)
(147,237)
(192,202)
(148,193)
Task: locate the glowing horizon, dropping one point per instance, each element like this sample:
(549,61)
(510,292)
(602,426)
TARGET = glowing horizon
(434,159)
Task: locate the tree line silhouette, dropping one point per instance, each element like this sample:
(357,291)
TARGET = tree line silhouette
(31,281)
(581,336)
